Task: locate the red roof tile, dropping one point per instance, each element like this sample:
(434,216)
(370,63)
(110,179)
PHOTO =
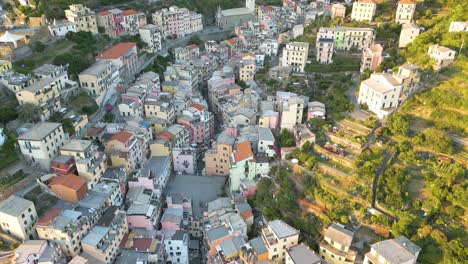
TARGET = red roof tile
(142,244)
(121,136)
(199,107)
(117,50)
(104,13)
(48,217)
(407,2)
(70,181)
(165,135)
(130,12)
(243,151)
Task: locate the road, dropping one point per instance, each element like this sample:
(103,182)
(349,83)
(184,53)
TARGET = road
(357,113)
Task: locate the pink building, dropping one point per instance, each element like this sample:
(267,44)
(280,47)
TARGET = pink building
(111,22)
(248,188)
(184,160)
(172,219)
(142,182)
(200,123)
(372,57)
(142,216)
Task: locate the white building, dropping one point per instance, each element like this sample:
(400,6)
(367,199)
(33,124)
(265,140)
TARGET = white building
(409,32)
(278,237)
(442,56)
(37,251)
(177,22)
(40,144)
(17,217)
(295,54)
(151,35)
(176,245)
(458,26)
(61,28)
(269,47)
(324,50)
(405,11)
(302,254)
(380,93)
(363,10)
(266,142)
(396,251)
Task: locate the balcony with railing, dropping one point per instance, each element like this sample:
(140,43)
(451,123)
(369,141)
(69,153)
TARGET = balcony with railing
(269,237)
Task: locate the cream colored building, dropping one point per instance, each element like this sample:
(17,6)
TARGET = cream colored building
(399,250)
(363,10)
(291,108)
(458,26)
(247,70)
(278,237)
(61,228)
(408,34)
(44,93)
(83,17)
(90,163)
(17,218)
(99,78)
(295,54)
(405,11)
(151,35)
(338,10)
(101,244)
(41,144)
(381,93)
(161,109)
(335,247)
(442,56)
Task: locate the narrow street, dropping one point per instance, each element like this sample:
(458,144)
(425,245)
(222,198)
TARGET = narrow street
(375,181)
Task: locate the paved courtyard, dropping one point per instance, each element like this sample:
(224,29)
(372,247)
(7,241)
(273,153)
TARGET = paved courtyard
(201,189)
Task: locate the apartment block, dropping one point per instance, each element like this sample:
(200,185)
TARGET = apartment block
(336,245)
(151,35)
(295,54)
(41,143)
(363,10)
(110,22)
(399,250)
(101,244)
(218,158)
(125,150)
(176,245)
(45,92)
(246,70)
(325,48)
(347,38)
(187,53)
(371,57)
(90,163)
(17,217)
(338,10)
(405,11)
(409,32)
(442,56)
(278,237)
(200,123)
(381,93)
(291,108)
(133,20)
(83,17)
(177,22)
(409,76)
(37,251)
(62,227)
(99,78)
(123,56)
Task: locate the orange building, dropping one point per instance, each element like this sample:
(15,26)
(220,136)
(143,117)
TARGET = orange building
(69,187)
(254,252)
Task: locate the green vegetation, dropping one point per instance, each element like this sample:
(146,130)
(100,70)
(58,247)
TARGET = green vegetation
(7,152)
(109,117)
(7,114)
(341,63)
(286,139)
(159,65)
(83,103)
(66,122)
(29,112)
(7,180)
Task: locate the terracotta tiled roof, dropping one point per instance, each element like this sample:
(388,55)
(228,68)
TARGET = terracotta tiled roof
(232,41)
(142,244)
(193,46)
(121,136)
(243,151)
(165,135)
(48,216)
(199,107)
(95,131)
(130,12)
(247,214)
(104,13)
(367,1)
(70,181)
(116,51)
